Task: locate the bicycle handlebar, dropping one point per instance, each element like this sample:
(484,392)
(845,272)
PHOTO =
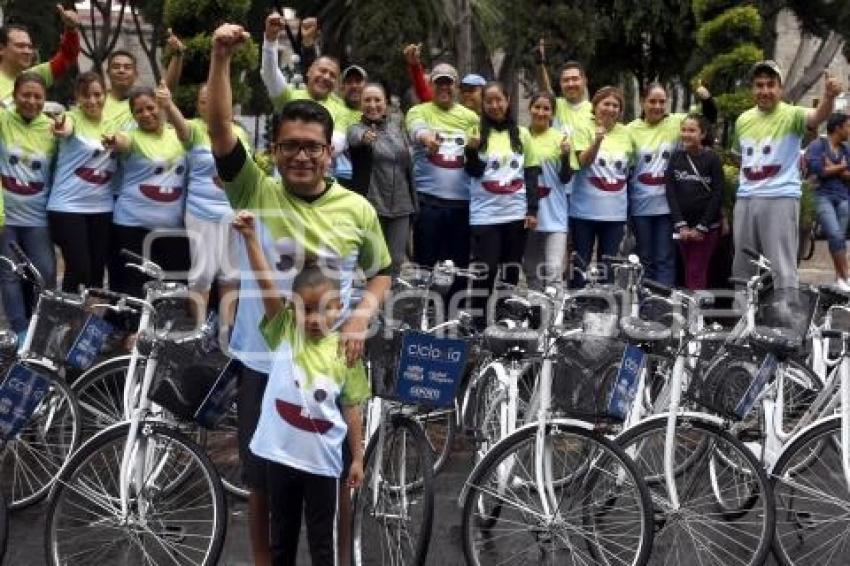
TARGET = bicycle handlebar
(657,287)
(105,294)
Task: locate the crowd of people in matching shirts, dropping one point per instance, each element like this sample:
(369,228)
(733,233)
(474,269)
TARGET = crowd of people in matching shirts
(457,177)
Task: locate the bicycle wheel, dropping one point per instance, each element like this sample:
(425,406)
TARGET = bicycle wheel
(439,426)
(394,509)
(162,526)
(33,459)
(736,529)
(599,511)
(222,447)
(100,394)
(812,498)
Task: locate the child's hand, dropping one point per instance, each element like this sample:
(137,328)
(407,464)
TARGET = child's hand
(355,474)
(244,223)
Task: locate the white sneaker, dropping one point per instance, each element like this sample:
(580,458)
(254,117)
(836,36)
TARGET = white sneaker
(842,285)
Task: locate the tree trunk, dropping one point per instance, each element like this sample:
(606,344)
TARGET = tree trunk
(814,70)
(769,10)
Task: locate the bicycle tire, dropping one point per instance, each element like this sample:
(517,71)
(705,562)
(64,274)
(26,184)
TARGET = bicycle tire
(674,526)
(222,447)
(100,394)
(587,475)
(96,452)
(425,484)
(803,510)
(39,454)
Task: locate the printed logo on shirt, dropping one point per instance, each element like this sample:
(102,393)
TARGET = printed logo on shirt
(25,165)
(685,176)
(608,176)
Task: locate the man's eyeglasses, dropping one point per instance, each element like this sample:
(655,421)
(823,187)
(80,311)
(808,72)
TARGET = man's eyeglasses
(293,148)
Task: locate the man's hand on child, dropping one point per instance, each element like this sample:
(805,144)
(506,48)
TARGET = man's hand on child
(355,474)
(244,223)
(353,339)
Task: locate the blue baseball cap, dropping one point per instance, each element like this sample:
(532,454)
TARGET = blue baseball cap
(473,80)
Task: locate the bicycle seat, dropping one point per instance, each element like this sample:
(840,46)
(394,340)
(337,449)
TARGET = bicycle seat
(777,340)
(644,330)
(499,340)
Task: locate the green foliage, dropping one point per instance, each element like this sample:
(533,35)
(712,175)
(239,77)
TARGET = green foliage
(732,104)
(196,35)
(728,28)
(186,16)
(705,10)
(727,71)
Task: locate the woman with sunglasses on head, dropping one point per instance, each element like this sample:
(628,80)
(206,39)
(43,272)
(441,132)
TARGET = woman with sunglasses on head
(81,202)
(27,147)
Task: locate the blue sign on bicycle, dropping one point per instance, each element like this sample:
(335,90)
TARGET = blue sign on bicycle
(765,372)
(89,342)
(20,393)
(430,369)
(625,387)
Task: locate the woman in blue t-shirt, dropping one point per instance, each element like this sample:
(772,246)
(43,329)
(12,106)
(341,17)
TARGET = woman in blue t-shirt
(828,158)
(80,206)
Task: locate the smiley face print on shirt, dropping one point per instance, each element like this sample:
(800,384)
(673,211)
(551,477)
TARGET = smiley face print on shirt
(652,165)
(503,174)
(760,159)
(609,172)
(451,152)
(317,397)
(25,173)
(166,183)
(99,168)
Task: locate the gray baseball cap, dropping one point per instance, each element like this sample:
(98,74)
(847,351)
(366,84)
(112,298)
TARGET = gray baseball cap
(770,66)
(444,70)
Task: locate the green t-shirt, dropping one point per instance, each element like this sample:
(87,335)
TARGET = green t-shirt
(599,190)
(300,423)
(340,227)
(769,147)
(117,115)
(570,118)
(7,83)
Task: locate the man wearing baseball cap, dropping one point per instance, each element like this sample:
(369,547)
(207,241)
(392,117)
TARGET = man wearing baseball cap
(440,130)
(471,85)
(767,140)
(354,78)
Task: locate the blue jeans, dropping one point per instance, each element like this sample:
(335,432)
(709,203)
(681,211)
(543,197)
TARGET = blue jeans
(586,234)
(36,243)
(654,238)
(833,213)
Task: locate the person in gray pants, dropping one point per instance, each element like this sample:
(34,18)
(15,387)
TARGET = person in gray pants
(767,140)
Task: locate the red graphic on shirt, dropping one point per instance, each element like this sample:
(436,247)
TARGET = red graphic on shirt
(499,188)
(17,187)
(607,186)
(293,414)
(543,192)
(93,176)
(161,194)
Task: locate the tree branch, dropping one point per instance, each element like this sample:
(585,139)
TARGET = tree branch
(814,71)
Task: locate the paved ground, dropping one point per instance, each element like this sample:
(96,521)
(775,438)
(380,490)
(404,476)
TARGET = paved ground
(26,546)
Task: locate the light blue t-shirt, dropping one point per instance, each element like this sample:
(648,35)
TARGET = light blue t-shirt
(654,144)
(26,153)
(599,190)
(553,206)
(498,196)
(441,174)
(84,170)
(153,185)
(769,147)
(206,198)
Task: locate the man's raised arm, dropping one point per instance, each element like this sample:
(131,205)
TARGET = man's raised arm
(226,39)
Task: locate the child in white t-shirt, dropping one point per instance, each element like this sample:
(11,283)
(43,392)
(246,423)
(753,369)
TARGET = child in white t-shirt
(311,401)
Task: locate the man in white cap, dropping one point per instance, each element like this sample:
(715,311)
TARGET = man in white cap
(354,78)
(439,130)
(767,140)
